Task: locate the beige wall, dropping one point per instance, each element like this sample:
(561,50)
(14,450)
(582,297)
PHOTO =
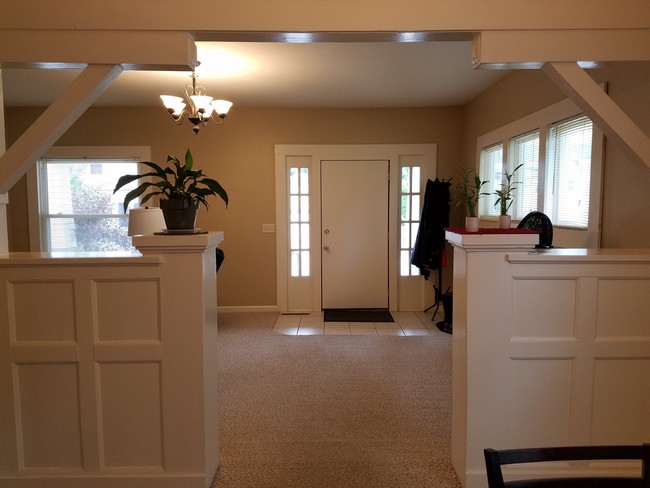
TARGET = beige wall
(626,192)
(240,154)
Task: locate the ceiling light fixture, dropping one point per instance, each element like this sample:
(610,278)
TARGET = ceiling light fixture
(201,107)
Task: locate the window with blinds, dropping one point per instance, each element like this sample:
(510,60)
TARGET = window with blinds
(490,170)
(568,172)
(555,180)
(524,150)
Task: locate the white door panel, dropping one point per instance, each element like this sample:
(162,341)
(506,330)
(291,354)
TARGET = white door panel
(354,207)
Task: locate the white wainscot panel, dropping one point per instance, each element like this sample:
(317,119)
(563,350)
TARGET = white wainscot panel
(537,315)
(621,407)
(50,435)
(43,311)
(541,401)
(131,415)
(128,310)
(623,308)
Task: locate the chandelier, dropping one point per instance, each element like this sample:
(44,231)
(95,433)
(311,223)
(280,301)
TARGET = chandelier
(201,107)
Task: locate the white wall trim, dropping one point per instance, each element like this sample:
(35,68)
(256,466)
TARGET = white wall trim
(247,308)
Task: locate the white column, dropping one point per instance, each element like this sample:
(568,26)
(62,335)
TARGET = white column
(189,337)
(479,286)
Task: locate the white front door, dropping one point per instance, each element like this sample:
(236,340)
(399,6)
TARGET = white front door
(354,234)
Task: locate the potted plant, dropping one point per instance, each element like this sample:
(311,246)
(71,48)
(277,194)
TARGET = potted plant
(471,187)
(181,190)
(504,198)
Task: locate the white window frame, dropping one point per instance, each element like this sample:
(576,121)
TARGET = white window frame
(563,236)
(36,240)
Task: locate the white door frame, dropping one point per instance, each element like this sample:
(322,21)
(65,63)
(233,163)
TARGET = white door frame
(311,156)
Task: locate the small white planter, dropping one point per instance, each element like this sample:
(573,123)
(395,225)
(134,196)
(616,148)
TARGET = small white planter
(471,224)
(505,221)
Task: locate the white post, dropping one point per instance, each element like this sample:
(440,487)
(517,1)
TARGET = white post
(189,336)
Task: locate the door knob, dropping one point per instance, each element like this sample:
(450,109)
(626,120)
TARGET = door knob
(326,248)
(326,231)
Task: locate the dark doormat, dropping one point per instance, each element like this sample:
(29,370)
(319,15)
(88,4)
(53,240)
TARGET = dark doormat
(357,315)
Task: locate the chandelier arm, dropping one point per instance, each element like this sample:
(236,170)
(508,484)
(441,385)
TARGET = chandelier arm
(178,119)
(218,120)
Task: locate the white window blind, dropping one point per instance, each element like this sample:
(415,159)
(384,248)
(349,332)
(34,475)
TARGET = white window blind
(491,170)
(524,150)
(568,172)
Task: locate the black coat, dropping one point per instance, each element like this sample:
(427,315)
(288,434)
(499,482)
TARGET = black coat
(430,241)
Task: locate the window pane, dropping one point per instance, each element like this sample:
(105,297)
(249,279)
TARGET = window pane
(304,263)
(295,263)
(404,236)
(304,236)
(406,179)
(293,181)
(415,187)
(78,208)
(414,233)
(88,234)
(415,207)
(405,263)
(294,208)
(405,207)
(304,208)
(74,188)
(294,232)
(304,181)
(524,149)
(569,172)
(490,170)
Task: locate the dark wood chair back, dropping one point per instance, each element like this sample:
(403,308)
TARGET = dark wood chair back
(495,459)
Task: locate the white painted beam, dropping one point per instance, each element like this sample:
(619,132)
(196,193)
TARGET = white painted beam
(608,116)
(517,49)
(53,123)
(4,197)
(161,50)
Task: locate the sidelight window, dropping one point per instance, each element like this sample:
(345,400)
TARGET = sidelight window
(299,221)
(409,218)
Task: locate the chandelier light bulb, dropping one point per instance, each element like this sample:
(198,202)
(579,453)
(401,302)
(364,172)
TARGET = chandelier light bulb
(221,107)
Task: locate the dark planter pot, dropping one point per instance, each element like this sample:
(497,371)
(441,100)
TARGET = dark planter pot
(179,214)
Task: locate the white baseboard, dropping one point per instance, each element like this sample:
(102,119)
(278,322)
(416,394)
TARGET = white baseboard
(251,308)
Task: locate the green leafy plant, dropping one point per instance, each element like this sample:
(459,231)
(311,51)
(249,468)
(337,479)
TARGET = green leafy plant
(175,182)
(471,187)
(506,193)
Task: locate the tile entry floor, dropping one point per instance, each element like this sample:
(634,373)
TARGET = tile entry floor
(406,324)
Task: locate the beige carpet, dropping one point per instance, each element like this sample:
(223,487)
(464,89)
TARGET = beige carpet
(332,411)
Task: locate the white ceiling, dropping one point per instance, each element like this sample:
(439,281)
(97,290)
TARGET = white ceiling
(348,74)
